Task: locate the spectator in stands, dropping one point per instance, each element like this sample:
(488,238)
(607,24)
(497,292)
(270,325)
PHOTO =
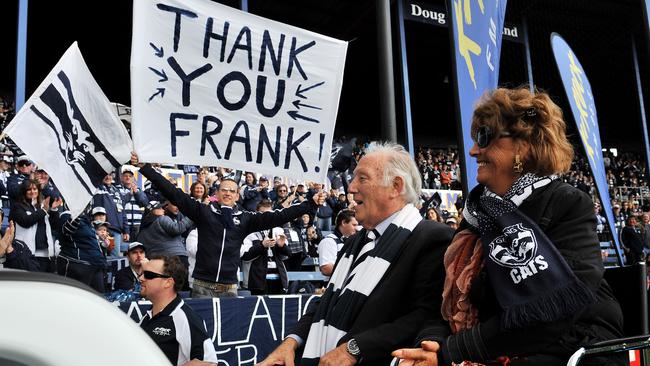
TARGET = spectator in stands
(619,217)
(633,241)
(98,214)
(213,184)
(273,193)
(252,193)
(152,193)
(645,230)
(452,222)
(433,214)
(388,279)
(192,246)
(25,170)
(426,170)
(199,192)
(5,172)
(627,209)
(15,254)
(329,247)
(32,215)
(445,177)
(300,194)
(221,231)
(283,198)
(128,278)
(601,222)
(324,212)
(108,196)
(162,229)
(496,306)
(82,256)
(48,188)
(134,199)
(263,251)
(341,204)
(310,235)
(333,202)
(103,234)
(202,176)
(172,325)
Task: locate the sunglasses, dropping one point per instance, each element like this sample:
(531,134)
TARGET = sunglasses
(485,135)
(152,275)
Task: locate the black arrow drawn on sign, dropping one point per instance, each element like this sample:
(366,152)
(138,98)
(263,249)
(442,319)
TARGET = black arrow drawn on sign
(297,104)
(161,73)
(159,51)
(160,91)
(300,91)
(295,115)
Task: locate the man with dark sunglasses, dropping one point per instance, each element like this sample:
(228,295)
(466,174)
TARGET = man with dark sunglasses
(174,326)
(25,168)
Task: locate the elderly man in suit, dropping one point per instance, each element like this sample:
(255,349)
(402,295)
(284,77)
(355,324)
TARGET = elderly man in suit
(388,278)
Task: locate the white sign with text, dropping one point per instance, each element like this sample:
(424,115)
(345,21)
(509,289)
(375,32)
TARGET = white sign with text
(212,85)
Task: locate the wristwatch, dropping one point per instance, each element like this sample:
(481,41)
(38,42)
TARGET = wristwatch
(353,348)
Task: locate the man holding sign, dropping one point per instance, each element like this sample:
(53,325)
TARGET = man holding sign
(222,229)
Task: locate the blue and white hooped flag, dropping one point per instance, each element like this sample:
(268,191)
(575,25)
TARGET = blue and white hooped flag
(70,129)
(578,91)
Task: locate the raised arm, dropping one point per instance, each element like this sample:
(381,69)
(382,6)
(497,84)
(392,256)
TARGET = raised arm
(175,195)
(271,219)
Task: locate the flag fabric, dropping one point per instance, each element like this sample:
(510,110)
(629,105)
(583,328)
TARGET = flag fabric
(583,107)
(212,85)
(477,29)
(70,129)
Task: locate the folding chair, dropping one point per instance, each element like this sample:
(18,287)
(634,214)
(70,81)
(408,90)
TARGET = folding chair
(629,286)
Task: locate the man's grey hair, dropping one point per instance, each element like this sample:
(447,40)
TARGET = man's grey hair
(398,164)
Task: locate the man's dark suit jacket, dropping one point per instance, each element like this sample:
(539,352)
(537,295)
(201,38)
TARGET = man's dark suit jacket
(409,296)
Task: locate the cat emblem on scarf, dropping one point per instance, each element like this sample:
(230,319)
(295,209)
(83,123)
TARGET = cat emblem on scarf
(517,249)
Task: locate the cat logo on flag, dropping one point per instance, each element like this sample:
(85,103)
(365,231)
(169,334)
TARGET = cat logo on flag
(79,145)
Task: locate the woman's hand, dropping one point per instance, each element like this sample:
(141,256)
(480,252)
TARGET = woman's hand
(56,204)
(7,240)
(46,203)
(425,356)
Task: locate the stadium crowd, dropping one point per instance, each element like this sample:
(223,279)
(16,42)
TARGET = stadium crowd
(121,210)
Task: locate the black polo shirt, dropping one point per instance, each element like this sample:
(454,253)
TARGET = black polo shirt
(180,333)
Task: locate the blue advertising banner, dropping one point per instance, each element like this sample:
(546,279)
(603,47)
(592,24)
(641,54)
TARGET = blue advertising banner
(477,28)
(244,329)
(578,90)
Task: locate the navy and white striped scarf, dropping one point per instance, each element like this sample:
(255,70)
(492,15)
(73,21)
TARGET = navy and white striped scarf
(352,283)
(530,278)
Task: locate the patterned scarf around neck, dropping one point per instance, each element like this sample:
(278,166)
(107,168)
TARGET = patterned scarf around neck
(352,283)
(530,278)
